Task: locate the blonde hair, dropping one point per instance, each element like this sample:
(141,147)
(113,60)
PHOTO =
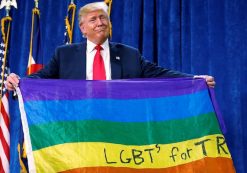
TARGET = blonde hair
(91,7)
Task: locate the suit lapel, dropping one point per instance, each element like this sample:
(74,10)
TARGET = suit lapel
(116,70)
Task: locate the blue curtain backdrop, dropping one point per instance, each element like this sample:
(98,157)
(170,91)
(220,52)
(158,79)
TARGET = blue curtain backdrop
(193,36)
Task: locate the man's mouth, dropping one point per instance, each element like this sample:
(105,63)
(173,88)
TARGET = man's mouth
(100,29)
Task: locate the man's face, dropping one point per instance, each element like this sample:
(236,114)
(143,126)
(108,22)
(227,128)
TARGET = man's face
(96,26)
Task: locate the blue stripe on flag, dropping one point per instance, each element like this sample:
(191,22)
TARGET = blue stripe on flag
(136,110)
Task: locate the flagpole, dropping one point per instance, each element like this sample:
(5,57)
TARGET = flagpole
(35,10)
(109,4)
(69,22)
(6,41)
(35,59)
(73,18)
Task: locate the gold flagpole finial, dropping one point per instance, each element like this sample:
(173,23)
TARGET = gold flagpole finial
(7,4)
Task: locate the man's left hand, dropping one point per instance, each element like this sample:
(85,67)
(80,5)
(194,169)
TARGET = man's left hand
(209,79)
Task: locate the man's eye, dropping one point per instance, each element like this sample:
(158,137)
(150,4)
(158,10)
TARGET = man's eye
(92,20)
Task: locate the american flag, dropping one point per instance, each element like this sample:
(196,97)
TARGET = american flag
(4,109)
(69,23)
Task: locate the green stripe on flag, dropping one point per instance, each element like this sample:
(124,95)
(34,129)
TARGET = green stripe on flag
(124,133)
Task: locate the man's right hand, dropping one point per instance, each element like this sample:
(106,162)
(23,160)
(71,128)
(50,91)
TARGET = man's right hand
(12,81)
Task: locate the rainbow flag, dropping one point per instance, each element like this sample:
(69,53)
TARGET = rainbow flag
(122,126)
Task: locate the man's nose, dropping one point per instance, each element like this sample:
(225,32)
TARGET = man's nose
(99,21)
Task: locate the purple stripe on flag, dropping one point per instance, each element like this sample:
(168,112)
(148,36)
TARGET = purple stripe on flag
(217,111)
(59,89)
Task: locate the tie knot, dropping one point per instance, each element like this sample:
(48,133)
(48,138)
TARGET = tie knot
(98,48)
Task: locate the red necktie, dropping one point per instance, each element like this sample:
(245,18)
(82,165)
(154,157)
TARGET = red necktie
(98,65)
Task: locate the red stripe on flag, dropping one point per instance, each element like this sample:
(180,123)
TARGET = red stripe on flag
(34,68)
(1,166)
(4,144)
(5,116)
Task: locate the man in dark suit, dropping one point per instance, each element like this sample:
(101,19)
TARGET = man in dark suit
(97,58)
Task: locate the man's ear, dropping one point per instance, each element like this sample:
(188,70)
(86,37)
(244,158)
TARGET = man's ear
(82,28)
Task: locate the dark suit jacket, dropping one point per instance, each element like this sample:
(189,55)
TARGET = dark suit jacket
(69,62)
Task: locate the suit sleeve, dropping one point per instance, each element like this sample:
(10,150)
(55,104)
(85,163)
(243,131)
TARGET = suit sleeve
(150,70)
(51,70)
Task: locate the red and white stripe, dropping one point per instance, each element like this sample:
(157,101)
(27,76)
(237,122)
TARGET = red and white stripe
(4,135)
(32,66)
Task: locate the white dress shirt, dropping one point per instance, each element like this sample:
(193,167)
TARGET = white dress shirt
(90,53)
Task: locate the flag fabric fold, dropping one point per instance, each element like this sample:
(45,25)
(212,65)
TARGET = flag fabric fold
(4,104)
(124,126)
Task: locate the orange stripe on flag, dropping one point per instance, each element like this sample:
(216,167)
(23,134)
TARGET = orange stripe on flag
(206,165)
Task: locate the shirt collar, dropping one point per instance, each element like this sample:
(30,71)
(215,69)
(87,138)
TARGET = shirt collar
(91,45)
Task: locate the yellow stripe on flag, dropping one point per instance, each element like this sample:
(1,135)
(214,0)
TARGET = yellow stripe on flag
(93,154)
